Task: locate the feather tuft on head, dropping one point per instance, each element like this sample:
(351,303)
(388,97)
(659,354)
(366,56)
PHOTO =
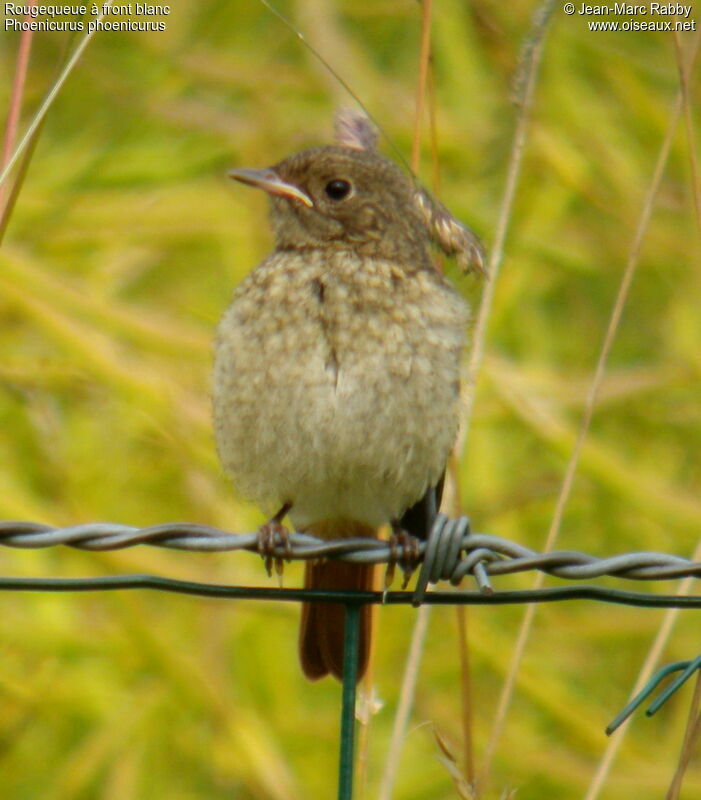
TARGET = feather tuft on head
(453,238)
(354,129)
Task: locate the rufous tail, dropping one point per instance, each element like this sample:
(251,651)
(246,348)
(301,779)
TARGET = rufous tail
(321,635)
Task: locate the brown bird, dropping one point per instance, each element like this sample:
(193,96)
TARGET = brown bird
(336,380)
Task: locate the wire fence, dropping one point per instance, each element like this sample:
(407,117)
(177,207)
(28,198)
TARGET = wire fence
(451,553)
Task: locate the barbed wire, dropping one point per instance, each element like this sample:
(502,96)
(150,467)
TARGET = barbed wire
(500,556)
(451,552)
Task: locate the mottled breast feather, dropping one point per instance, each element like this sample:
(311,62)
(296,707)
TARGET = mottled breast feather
(337,384)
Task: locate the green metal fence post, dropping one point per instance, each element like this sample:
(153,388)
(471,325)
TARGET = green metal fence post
(351,638)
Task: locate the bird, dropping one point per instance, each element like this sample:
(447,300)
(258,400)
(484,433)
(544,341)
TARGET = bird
(337,365)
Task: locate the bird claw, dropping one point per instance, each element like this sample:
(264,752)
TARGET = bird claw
(271,536)
(409,558)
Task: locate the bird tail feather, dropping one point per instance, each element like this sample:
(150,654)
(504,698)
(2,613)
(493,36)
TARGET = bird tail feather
(321,636)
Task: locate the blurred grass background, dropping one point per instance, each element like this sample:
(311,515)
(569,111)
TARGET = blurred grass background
(122,253)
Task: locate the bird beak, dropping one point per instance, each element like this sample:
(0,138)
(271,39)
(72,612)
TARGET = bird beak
(270,182)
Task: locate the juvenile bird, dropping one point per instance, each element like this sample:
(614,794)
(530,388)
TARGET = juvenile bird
(336,379)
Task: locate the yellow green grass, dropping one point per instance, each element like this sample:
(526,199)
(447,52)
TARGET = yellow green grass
(122,251)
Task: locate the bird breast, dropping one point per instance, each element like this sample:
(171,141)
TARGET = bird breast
(336,385)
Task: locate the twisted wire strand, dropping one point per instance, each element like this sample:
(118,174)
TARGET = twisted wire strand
(451,552)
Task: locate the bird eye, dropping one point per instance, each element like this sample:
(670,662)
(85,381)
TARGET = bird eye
(338,189)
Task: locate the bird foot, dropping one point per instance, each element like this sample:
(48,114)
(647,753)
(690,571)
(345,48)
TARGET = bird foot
(271,536)
(409,558)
